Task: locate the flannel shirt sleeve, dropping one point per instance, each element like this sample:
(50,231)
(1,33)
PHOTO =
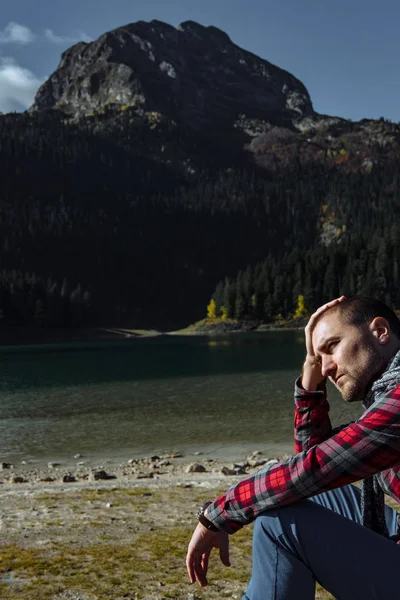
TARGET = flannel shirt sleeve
(389,480)
(368,446)
(312,424)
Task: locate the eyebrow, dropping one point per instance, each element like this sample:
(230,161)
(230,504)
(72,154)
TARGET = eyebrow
(326,342)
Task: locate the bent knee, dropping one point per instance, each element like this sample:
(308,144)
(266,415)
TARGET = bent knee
(277,520)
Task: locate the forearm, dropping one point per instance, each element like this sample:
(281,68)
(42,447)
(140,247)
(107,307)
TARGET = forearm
(311,420)
(311,377)
(353,454)
(300,477)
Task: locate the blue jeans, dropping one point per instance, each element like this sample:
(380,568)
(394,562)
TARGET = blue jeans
(322,539)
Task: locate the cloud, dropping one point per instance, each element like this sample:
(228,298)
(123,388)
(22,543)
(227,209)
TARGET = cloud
(14,33)
(18,86)
(51,37)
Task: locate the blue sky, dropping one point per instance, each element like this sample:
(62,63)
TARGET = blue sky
(346,52)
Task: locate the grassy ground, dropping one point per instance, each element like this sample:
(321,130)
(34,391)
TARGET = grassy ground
(112,543)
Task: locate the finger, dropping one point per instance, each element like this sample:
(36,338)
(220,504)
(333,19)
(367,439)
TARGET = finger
(192,560)
(322,309)
(312,321)
(199,574)
(194,552)
(329,304)
(190,568)
(195,570)
(204,563)
(319,311)
(224,556)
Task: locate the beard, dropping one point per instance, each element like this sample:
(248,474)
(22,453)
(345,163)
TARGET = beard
(353,391)
(358,382)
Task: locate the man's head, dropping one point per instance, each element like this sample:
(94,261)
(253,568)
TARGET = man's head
(354,341)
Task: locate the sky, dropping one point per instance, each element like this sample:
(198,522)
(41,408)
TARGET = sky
(346,52)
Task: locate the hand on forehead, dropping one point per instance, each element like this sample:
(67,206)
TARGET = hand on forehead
(314,320)
(317,316)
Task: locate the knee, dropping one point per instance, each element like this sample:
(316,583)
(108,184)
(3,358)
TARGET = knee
(267,524)
(282,530)
(275,524)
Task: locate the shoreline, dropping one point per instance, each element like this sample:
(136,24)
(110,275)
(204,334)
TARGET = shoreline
(25,336)
(19,337)
(273,329)
(102,459)
(160,466)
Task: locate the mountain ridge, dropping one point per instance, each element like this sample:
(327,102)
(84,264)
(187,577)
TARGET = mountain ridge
(192,73)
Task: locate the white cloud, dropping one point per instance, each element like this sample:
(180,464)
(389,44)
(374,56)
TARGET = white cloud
(18,86)
(14,33)
(51,37)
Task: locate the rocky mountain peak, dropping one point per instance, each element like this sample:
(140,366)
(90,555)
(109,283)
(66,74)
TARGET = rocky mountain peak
(202,32)
(192,73)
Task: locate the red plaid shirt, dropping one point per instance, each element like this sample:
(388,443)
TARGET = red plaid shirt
(325,459)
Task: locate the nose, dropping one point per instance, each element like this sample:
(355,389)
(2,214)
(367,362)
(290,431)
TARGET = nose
(328,366)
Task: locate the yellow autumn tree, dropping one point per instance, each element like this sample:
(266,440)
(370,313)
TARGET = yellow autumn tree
(301,311)
(212,309)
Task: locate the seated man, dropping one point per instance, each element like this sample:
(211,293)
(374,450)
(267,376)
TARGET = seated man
(310,524)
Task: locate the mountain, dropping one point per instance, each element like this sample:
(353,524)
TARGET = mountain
(156,162)
(189,98)
(192,74)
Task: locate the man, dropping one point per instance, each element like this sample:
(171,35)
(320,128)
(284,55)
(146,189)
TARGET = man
(310,524)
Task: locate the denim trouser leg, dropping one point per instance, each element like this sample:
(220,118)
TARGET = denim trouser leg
(321,539)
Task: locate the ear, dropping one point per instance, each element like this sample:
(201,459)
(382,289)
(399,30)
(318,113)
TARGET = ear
(380,329)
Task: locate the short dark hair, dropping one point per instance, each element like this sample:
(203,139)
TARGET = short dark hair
(361,310)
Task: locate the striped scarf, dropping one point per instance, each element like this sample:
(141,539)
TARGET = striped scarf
(372,496)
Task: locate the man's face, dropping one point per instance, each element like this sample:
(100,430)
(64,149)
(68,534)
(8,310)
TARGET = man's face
(350,356)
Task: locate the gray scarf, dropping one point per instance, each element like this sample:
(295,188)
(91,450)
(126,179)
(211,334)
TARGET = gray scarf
(372,497)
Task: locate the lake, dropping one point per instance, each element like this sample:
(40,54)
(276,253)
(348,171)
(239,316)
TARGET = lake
(223,396)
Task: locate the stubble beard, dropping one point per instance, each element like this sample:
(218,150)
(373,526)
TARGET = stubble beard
(353,392)
(359,384)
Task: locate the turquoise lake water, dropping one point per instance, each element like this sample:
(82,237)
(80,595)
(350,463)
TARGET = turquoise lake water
(223,396)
